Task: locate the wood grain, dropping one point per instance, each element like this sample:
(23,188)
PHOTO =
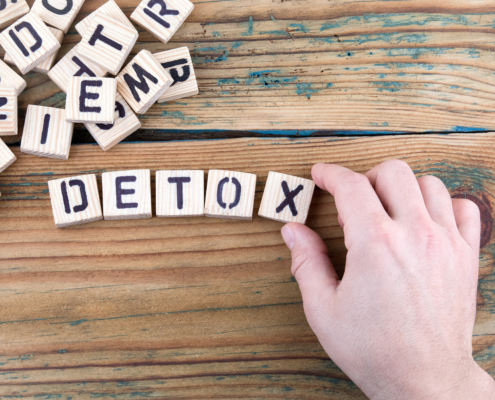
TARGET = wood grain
(195,308)
(332,68)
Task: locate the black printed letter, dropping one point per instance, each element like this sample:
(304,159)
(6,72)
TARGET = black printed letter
(142,84)
(122,192)
(34,34)
(54,10)
(97,35)
(163,11)
(180,192)
(83,68)
(186,70)
(87,95)
(3,101)
(289,198)
(121,110)
(44,132)
(238,191)
(84,198)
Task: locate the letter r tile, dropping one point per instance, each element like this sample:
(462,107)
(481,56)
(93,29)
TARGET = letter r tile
(75,200)
(230,195)
(127,194)
(286,198)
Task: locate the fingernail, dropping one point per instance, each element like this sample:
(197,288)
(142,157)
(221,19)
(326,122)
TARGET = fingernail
(288,235)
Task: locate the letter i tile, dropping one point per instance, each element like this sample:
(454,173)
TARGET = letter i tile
(127,194)
(286,198)
(230,195)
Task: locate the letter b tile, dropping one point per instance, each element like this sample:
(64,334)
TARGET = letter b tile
(75,200)
(127,194)
(230,195)
(286,198)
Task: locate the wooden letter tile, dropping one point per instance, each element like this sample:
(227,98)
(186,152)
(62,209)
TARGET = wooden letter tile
(7,158)
(8,111)
(230,194)
(110,9)
(29,42)
(91,100)
(179,65)
(73,65)
(143,81)
(12,10)
(44,66)
(180,193)
(58,13)
(8,77)
(126,123)
(47,133)
(107,43)
(162,18)
(286,198)
(75,200)
(127,194)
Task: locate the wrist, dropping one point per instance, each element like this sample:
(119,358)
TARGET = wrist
(462,383)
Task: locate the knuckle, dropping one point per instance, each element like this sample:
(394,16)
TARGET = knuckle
(300,262)
(356,179)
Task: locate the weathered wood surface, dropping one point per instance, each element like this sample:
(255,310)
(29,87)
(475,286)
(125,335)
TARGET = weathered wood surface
(318,67)
(193,308)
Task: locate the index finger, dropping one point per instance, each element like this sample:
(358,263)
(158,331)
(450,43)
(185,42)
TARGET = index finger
(357,202)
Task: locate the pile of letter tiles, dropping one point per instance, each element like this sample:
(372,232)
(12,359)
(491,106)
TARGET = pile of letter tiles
(105,95)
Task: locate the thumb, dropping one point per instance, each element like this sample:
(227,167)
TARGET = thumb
(311,265)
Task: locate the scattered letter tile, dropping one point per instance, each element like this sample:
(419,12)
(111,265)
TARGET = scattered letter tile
(6,156)
(110,9)
(179,65)
(47,133)
(46,65)
(230,194)
(8,111)
(8,77)
(143,81)
(12,10)
(58,13)
(107,43)
(91,100)
(75,200)
(126,123)
(28,42)
(162,18)
(180,193)
(73,65)
(127,194)
(286,198)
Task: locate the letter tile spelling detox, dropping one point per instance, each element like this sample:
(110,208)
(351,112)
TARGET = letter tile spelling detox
(29,42)
(8,77)
(58,13)
(8,111)
(107,43)
(180,193)
(127,194)
(126,123)
(12,10)
(179,65)
(162,18)
(72,65)
(143,81)
(91,100)
(286,198)
(230,195)
(46,65)
(75,200)
(47,133)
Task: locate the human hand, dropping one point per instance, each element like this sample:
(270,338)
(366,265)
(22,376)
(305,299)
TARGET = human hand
(400,321)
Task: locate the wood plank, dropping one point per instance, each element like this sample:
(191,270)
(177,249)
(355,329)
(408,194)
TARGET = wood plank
(194,308)
(286,68)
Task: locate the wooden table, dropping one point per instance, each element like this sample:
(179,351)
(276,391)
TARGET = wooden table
(201,308)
